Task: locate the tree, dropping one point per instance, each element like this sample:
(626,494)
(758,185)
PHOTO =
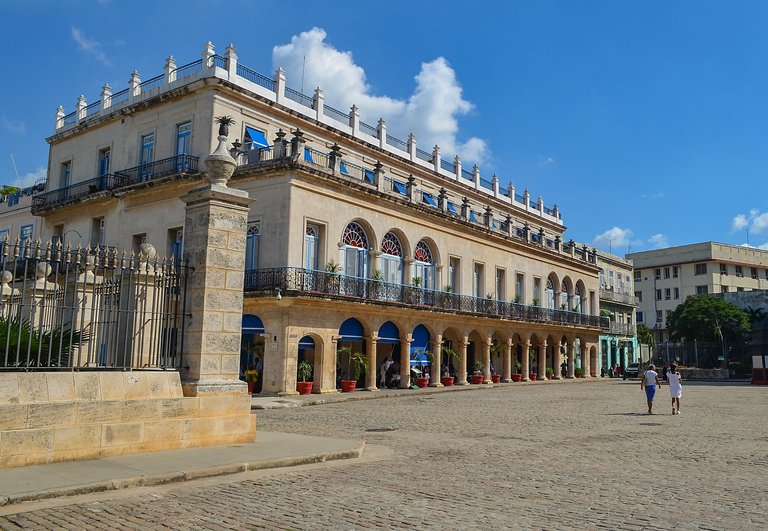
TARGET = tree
(645,336)
(708,318)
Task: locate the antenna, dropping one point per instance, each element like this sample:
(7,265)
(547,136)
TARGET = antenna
(16,171)
(303,65)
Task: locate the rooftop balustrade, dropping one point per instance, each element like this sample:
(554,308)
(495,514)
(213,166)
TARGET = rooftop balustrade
(300,282)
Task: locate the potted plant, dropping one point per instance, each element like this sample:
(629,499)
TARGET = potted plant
(224,123)
(356,364)
(518,376)
(495,349)
(450,355)
(535,302)
(549,373)
(578,372)
(305,383)
(477,376)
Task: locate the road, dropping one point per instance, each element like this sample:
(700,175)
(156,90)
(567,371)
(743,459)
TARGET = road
(546,455)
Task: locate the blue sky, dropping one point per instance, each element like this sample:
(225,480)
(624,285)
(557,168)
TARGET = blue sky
(644,121)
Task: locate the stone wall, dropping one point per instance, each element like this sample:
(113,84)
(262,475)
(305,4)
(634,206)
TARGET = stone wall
(63,416)
(703,374)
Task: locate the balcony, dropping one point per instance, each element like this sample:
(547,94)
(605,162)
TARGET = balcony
(621,329)
(618,297)
(113,181)
(299,282)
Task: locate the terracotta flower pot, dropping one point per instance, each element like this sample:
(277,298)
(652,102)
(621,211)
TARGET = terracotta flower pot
(495,378)
(304,388)
(517,377)
(477,378)
(447,381)
(347,386)
(532,377)
(422,382)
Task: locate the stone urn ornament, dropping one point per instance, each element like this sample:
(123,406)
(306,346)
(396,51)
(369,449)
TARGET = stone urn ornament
(220,165)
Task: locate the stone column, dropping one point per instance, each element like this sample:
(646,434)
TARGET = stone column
(506,370)
(526,369)
(405,367)
(372,373)
(557,360)
(436,361)
(487,361)
(328,383)
(571,358)
(214,236)
(542,361)
(462,376)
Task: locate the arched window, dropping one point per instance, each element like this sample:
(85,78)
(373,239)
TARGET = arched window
(355,249)
(392,259)
(564,295)
(423,268)
(311,240)
(550,293)
(577,299)
(252,245)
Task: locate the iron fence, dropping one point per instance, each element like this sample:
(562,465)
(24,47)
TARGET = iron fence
(295,281)
(157,169)
(66,309)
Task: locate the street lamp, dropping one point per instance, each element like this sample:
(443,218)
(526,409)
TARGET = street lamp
(64,236)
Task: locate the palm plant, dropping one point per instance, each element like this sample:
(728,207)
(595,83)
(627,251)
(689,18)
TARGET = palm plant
(450,355)
(26,346)
(304,371)
(356,362)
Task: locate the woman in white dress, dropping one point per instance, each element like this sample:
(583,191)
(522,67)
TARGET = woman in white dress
(675,388)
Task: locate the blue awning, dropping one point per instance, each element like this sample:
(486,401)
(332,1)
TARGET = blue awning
(428,199)
(306,343)
(369,176)
(472,216)
(255,137)
(252,325)
(399,187)
(308,155)
(351,330)
(388,333)
(452,209)
(343,168)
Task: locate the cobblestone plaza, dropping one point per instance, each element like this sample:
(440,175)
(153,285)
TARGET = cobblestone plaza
(554,455)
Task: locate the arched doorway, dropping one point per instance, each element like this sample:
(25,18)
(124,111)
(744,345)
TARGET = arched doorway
(252,352)
(419,360)
(351,340)
(388,355)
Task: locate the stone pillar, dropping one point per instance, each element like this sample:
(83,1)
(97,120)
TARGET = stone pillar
(170,70)
(437,361)
(318,104)
(382,133)
(571,358)
(526,198)
(542,362)
(80,106)
(231,56)
(373,363)
(436,158)
(134,88)
(378,175)
(412,146)
(59,117)
(487,361)
(405,366)
(410,188)
(526,369)
(557,360)
(280,85)
(462,376)
(214,238)
(374,258)
(208,54)
(354,120)
(106,97)
(457,166)
(506,370)
(328,382)
(495,185)
(511,191)
(476,176)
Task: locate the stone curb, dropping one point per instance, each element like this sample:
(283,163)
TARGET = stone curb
(176,477)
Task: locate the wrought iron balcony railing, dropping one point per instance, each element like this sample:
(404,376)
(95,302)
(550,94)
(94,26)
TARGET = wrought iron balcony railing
(120,179)
(616,296)
(299,282)
(621,329)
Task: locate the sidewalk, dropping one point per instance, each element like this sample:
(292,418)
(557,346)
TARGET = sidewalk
(271,450)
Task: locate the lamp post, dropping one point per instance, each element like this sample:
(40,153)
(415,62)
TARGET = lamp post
(64,236)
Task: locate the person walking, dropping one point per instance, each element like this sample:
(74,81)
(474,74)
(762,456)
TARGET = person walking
(675,388)
(649,383)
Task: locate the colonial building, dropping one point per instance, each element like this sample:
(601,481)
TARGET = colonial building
(355,238)
(618,302)
(664,278)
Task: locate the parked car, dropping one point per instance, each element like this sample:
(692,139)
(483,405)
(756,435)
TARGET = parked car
(632,371)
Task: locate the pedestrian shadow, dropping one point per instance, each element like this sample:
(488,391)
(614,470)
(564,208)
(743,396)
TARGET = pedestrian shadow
(627,414)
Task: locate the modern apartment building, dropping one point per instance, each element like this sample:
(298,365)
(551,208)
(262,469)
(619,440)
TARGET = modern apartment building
(666,277)
(618,302)
(355,238)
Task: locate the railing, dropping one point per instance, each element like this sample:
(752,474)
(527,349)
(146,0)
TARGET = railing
(397,143)
(336,114)
(81,309)
(149,84)
(70,118)
(616,296)
(120,179)
(119,97)
(621,329)
(75,191)
(318,158)
(154,170)
(298,97)
(295,281)
(468,175)
(255,77)
(220,61)
(520,198)
(423,155)
(188,69)
(447,165)
(485,183)
(369,129)
(93,108)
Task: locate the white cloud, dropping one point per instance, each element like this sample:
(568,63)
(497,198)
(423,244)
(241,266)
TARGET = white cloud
(659,241)
(655,195)
(545,161)
(756,222)
(613,238)
(30,178)
(16,128)
(430,112)
(90,46)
